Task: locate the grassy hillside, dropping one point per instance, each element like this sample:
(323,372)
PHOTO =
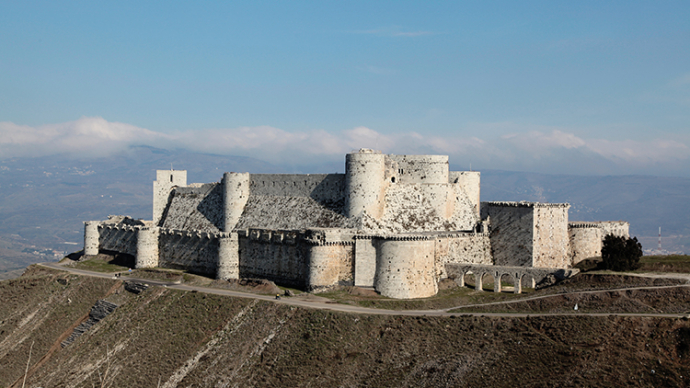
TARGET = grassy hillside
(176,338)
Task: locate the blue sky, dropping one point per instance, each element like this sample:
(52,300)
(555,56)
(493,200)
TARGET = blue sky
(560,87)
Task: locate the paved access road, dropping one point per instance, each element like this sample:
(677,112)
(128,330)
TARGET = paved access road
(295,301)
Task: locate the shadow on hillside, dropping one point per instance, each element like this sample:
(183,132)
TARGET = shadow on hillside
(121,259)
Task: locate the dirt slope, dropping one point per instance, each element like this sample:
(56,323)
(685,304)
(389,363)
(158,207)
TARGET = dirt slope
(190,339)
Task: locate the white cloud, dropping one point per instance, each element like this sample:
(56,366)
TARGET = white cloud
(640,153)
(628,151)
(545,150)
(88,136)
(536,141)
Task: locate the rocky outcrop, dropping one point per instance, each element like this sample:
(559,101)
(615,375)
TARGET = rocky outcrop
(100,310)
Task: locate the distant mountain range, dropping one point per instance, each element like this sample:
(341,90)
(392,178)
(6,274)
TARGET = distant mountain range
(43,201)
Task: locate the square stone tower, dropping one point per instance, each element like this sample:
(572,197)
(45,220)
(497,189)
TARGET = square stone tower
(165,181)
(529,234)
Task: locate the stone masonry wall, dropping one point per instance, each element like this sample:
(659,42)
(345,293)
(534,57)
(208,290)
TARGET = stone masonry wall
(121,239)
(228,256)
(551,239)
(91,238)
(512,228)
(405,268)
(424,207)
(324,188)
(296,258)
(366,180)
(197,208)
(616,228)
(331,264)
(586,238)
(421,168)
(194,251)
(365,261)
(465,248)
(274,255)
(280,212)
(469,181)
(585,241)
(147,247)
(165,181)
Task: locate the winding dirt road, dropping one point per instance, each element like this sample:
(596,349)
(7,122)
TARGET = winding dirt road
(295,301)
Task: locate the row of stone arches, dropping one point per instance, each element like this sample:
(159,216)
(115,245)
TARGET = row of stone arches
(502,281)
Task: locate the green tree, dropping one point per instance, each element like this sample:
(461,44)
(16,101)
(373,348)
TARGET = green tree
(621,253)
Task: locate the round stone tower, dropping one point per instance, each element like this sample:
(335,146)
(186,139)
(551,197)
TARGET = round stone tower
(228,257)
(91,237)
(405,268)
(365,182)
(235,196)
(147,247)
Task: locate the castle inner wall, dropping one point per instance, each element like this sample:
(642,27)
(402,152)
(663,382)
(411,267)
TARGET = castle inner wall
(320,187)
(424,207)
(421,168)
(198,208)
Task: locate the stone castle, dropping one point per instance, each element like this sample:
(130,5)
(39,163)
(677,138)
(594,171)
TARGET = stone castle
(397,223)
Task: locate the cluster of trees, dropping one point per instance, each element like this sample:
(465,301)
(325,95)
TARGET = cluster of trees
(621,253)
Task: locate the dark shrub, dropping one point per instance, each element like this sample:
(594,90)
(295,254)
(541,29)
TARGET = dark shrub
(621,253)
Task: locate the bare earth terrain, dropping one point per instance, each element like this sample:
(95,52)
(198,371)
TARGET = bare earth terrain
(191,338)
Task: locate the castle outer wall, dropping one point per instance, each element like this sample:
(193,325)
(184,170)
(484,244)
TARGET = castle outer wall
(586,238)
(391,222)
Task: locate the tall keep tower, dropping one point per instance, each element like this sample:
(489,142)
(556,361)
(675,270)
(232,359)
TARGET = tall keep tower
(365,182)
(235,196)
(165,181)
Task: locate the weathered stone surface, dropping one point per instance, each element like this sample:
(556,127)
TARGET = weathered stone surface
(586,238)
(529,234)
(195,208)
(405,268)
(194,251)
(282,212)
(548,281)
(162,186)
(517,275)
(393,222)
